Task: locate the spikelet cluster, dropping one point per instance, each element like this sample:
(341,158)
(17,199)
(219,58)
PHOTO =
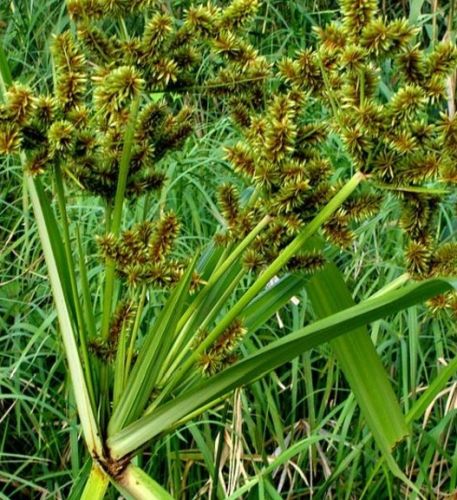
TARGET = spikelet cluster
(99,76)
(392,124)
(281,154)
(143,253)
(223,352)
(123,319)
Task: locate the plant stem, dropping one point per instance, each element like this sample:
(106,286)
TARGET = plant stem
(82,397)
(266,359)
(434,22)
(89,313)
(393,285)
(135,330)
(124,167)
(6,79)
(451,17)
(223,268)
(177,352)
(79,384)
(134,483)
(115,226)
(432,391)
(96,485)
(119,369)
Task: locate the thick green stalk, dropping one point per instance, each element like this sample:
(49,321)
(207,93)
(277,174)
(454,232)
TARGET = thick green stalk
(233,257)
(108,297)
(119,367)
(124,168)
(135,330)
(271,271)
(96,485)
(137,485)
(88,310)
(115,226)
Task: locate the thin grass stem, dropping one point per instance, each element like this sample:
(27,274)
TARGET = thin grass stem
(115,223)
(135,330)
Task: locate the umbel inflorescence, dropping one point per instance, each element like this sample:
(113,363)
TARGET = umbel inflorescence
(369,92)
(82,123)
(127,76)
(128,67)
(124,84)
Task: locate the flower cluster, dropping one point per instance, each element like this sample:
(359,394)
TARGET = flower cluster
(142,254)
(123,319)
(223,352)
(123,98)
(104,73)
(369,87)
(281,155)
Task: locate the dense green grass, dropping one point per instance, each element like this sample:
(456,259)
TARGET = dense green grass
(305,407)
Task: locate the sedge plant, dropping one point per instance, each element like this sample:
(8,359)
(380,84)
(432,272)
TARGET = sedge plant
(123,97)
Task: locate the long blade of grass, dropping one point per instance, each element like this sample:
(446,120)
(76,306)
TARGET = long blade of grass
(300,447)
(270,357)
(359,361)
(83,400)
(435,387)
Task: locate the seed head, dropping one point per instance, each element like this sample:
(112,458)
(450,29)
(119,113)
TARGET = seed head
(19,103)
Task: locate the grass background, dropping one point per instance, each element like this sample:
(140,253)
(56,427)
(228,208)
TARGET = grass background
(303,415)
